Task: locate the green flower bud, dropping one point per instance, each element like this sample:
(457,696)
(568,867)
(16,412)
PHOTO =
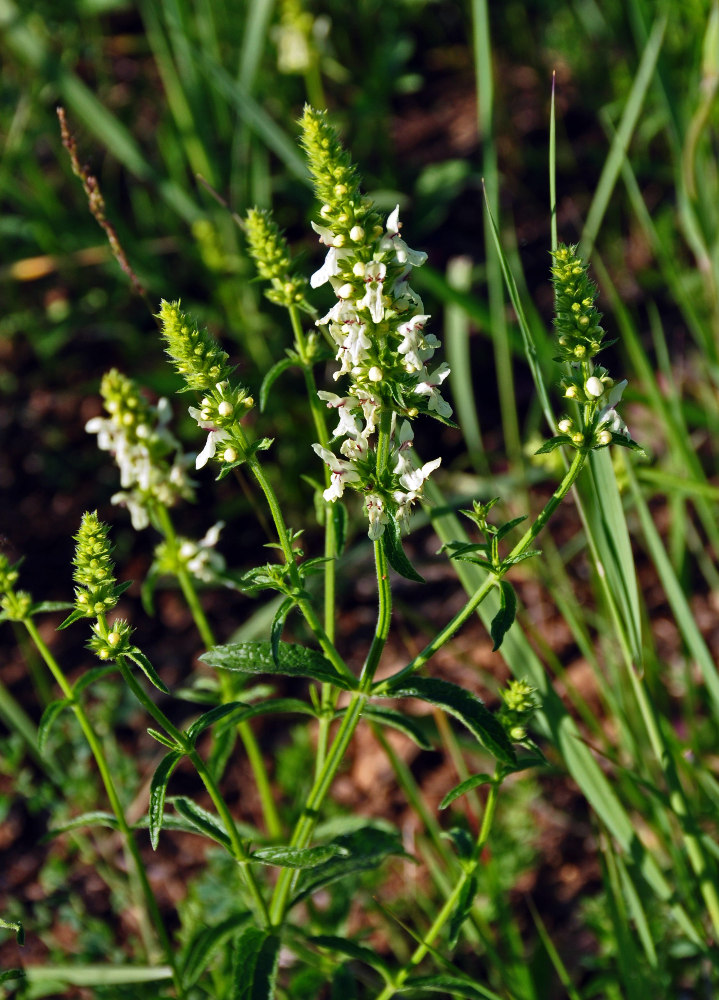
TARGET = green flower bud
(196,355)
(94,568)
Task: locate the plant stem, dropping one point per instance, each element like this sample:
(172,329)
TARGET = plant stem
(448,909)
(239,849)
(98,753)
(254,754)
(493,578)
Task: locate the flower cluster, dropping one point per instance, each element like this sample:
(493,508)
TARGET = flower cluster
(200,559)
(96,591)
(152,466)
(580,337)
(377,328)
(520,703)
(204,366)
(15,605)
(271,254)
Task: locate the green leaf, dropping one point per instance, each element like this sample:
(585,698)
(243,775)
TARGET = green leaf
(344,984)
(462,909)
(504,529)
(450,986)
(14,925)
(147,668)
(465,786)
(392,545)
(166,741)
(158,789)
(203,821)
(359,952)
(43,606)
(204,943)
(464,706)
(504,619)
(95,818)
(92,675)
(256,955)
(271,377)
(212,716)
(271,706)
(9,974)
(53,710)
(278,623)
(292,660)
(296,857)
(462,840)
(73,617)
(553,443)
(397,720)
(366,849)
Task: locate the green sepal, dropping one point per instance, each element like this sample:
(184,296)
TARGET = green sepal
(166,741)
(272,375)
(296,857)
(396,557)
(204,822)
(448,986)
(466,707)
(52,711)
(158,789)
(366,849)
(397,720)
(463,787)
(462,909)
(255,965)
(96,817)
(147,668)
(504,619)
(553,443)
(278,624)
(291,660)
(203,943)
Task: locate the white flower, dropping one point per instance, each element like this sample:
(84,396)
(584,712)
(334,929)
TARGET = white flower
(137,506)
(330,269)
(413,480)
(375,273)
(428,387)
(374,505)
(392,241)
(215,437)
(416,348)
(608,416)
(341,472)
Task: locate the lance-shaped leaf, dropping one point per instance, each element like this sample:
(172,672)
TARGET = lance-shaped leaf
(147,668)
(465,786)
(346,946)
(95,818)
(292,660)
(397,720)
(448,986)
(396,556)
(464,706)
(92,675)
(272,375)
(462,909)
(504,619)
(204,942)
(255,969)
(298,857)
(49,716)
(204,822)
(278,623)
(235,712)
(366,849)
(158,789)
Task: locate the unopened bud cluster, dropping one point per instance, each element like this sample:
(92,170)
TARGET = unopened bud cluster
(205,368)
(152,466)
(377,327)
(271,254)
(520,703)
(580,337)
(108,642)
(16,605)
(94,573)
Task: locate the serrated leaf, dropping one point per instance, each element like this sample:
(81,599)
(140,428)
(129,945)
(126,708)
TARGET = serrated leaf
(44,606)
(466,707)
(292,660)
(147,668)
(504,619)
(204,943)
(338,512)
(298,857)
(396,557)
(158,789)
(278,623)
(462,909)
(465,786)
(95,818)
(553,443)
(256,955)
(353,949)
(203,821)
(453,986)
(92,675)
(166,741)
(49,716)
(212,716)
(397,720)
(271,377)
(366,848)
